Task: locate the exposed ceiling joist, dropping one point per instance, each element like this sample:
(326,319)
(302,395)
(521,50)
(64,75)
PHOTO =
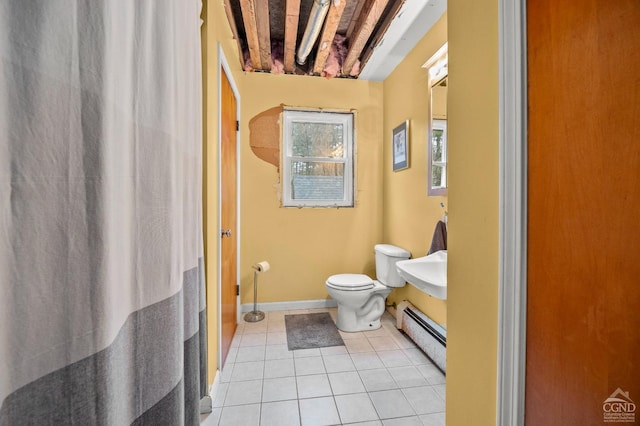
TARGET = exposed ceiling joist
(328,34)
(331,38)
(234,28)
(251,30)
(264,32)
(290,33)
(369,16)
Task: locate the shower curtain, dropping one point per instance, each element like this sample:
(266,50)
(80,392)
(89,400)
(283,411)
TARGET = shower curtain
(102,309)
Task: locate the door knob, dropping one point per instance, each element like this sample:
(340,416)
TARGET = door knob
(225,233)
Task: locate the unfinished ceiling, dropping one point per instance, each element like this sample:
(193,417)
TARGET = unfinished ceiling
(329,38)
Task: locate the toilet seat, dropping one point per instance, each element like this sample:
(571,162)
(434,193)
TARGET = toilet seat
(350,282)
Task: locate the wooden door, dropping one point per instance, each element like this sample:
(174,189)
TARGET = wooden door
(228,215)
(583,313)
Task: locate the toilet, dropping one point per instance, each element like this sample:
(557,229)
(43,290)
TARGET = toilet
(361,300)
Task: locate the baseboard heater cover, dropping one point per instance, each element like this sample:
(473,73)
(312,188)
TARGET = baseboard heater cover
(427,335)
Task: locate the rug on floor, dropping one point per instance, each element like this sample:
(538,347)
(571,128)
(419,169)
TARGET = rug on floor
(307,331)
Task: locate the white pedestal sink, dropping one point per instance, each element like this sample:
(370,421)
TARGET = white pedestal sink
(428,273)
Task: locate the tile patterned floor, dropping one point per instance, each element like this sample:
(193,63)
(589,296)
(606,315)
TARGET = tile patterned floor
(378,378)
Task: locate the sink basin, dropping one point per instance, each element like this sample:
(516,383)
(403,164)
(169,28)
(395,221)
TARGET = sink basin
(427,273)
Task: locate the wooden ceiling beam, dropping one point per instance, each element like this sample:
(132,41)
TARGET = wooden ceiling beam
(264,32)
(354,19)
(367,20)
(290,33)
(328,33)
(234,29)
(250,28)
(382,30)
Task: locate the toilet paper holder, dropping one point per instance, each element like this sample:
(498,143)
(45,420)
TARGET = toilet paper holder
(256,315)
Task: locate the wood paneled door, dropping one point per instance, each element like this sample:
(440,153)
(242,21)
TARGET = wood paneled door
(583,297)
(228,215)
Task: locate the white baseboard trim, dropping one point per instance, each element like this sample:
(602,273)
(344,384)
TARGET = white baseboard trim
(291,305)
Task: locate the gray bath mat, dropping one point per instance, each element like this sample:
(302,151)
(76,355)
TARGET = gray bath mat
(307,331)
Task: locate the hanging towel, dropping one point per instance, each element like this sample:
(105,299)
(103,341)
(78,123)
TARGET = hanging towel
(439,240)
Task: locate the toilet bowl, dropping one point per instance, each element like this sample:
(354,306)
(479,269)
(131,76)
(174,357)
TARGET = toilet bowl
(361,300)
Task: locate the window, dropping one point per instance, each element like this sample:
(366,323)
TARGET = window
(317,159)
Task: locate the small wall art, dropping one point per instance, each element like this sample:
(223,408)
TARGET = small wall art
(400,141)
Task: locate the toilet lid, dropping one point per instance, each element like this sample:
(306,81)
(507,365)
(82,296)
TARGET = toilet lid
(354,282)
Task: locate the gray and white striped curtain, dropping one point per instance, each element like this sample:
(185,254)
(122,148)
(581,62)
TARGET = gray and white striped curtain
(101,256)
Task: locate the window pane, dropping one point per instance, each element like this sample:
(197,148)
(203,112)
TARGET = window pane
(437,176)
(437,145)
(317,180)
(317,140)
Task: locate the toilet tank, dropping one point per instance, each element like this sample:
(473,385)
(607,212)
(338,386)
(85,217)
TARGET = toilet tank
(386,258)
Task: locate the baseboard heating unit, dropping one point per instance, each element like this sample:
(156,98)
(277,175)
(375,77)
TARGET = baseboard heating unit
(427,335)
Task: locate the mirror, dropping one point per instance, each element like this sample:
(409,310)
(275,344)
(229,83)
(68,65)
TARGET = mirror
(437,137)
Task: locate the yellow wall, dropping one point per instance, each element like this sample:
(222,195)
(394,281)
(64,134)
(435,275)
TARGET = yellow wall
(473,213)
(305,246)
(410,216)
(214,31)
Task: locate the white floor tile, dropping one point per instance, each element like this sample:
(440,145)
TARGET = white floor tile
(212,418)
(265,383)
(278,352)
(432,373)
(355,408)
(241,415)
(395,358)
(250,353)
(334,350)
(345,383)
(226,372)
(441,390)
(376,333)
(338,363)
(256,339)
(278,338)
(231,355)
(304,353)
(366,361)
(255,327)
(434,419)
(279,389)
(318,412)
(391,403)
(403,421)
(350,336)
(240,393)
(403,341)
(407,377)
(313,386)
(276,327)
(358,345)
(417,357)
(278,368)
(247,371)
(310,365)
(383,343)
(377,380)
(220,395)
(280,413)
(424,400)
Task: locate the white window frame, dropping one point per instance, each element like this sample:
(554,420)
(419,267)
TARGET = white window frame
(439,124)
(291,116)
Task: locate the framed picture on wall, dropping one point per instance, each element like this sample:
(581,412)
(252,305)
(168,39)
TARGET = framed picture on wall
(400,142)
